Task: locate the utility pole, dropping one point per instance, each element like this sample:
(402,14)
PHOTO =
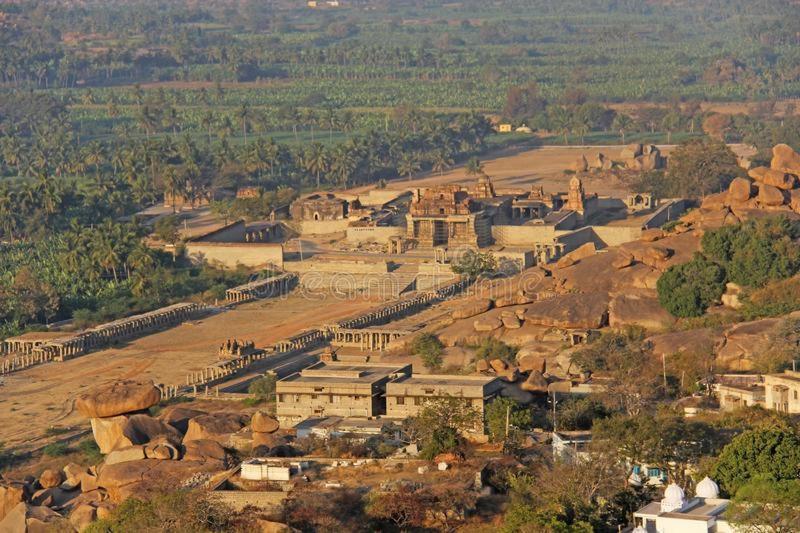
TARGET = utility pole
(508,416)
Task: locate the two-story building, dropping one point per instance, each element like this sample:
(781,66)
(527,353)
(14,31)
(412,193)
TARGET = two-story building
(407,396)
(782,392)
(336,389)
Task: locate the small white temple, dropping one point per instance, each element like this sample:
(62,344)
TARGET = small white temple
(676,513)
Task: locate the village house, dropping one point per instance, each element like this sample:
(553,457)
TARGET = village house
(336,389)
(407,396)
(782,392)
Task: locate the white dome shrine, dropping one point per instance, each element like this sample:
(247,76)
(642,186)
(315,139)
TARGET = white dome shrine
(674,499)
(707,488)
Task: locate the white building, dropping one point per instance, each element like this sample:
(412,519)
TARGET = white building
(677,514)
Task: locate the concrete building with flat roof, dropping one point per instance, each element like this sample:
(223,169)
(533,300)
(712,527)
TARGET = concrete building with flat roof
(782,392)
(407,395)
(349,390)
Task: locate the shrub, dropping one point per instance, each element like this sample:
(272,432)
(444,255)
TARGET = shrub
(56,449)
(90,450)
(429,348)
(263,389)
(492,348)
(755,252)
(687,290)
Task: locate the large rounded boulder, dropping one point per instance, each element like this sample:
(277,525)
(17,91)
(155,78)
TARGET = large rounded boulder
(217,426)
(119,398)
(261,422)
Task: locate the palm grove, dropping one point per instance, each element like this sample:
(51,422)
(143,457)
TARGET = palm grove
(61,200)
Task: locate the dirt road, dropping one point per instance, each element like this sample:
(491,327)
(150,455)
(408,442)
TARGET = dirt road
(34,399)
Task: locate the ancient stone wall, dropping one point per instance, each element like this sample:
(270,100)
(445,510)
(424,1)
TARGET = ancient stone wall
(523,235)
(231,254)
(321,227)
(379,234)
(233,232)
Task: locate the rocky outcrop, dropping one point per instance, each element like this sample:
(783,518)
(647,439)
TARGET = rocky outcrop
(775,178)
(744,341)
(574,310)
(125,431)
(261,422)
(12,493)
(119,398)
(178,417)
(470,308)
(642,157)
(498,365)
(770,196)
(124,455)
(785,159)
(82,516)
(25,518)
(581,252)
(207,452)
(652,235)
(50,479)
(535,383)
(624,260)
(580,164)
(510,321)
(740,190)
(216,426)
(638,309)
(602,162)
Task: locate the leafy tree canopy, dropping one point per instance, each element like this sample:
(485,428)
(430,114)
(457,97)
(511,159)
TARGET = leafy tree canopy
(687,290)
(774,452)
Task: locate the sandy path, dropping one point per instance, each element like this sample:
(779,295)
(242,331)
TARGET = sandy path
(545,165)
(36,398)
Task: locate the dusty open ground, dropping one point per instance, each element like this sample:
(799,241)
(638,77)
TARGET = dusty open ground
(515,169)
(33,400)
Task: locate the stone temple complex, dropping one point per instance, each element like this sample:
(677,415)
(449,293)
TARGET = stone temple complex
(448,216)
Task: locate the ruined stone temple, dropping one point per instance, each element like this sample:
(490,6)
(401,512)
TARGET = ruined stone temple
(447,216)
(320,206)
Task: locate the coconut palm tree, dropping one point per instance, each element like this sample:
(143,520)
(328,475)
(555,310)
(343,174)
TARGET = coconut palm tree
(408,165)
(342,165)
(441,160)
(315,160)
(622,123)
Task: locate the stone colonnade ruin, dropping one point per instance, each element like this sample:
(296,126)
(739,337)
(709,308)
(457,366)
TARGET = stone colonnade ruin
(262,288)
(80,343)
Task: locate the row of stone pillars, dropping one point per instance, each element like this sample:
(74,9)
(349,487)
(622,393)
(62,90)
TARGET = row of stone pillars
(367,339)
(222,370)
(20,362)
(264,288)
(401,308)
(77,344)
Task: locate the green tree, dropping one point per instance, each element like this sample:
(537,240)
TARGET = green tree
(771,451)
(625,359)
(764,505)
(757,251)
(622,124)
(701,166)
(687,290)
(440,423)
(474,264)
(263,388)
(429,349)
(180,511)
(505,417)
